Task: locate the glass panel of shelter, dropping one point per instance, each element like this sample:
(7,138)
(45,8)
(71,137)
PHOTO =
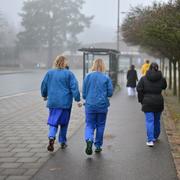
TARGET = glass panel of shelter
(109,56)
(90,57)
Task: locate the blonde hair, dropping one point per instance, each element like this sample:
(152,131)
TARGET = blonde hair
(60,62)
(98,65)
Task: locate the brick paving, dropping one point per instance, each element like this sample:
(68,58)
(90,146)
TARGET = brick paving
(23,134)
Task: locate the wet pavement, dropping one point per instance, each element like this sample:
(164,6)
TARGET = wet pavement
(23,134)
(125,155)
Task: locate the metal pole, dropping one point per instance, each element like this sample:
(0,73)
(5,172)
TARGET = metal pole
(50,40)
(118,37)
(50,47)
(118,18)
(84,65)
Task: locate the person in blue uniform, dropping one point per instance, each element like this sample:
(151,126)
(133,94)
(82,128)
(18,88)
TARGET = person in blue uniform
(97,87)
(59,87)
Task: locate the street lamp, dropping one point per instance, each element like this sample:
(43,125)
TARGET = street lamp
(119,25)
(50,39)
(118,18)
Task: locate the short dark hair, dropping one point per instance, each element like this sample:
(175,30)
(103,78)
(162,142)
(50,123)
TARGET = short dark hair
(154,66)
(132,67)
(147,61)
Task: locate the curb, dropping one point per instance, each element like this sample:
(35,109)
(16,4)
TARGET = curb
(14,72)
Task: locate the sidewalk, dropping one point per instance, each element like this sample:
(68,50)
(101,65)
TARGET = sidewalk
(125,155)
(23,135)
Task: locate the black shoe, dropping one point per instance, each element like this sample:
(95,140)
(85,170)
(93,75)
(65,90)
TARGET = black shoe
(89,147)
(51,145)
(98,150)
(63,145)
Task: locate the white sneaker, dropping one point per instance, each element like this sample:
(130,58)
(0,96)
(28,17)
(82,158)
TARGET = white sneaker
(150,144)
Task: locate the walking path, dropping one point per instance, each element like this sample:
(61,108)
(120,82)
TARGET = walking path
(23,134)
(125,155)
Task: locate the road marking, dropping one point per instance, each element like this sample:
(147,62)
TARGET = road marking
(15,95)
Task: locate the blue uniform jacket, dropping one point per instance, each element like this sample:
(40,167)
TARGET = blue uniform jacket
(97,87)
(60,86)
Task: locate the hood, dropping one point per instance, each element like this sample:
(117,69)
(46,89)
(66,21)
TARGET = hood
(153,75)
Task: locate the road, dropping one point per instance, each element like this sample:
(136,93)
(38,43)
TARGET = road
(26,81)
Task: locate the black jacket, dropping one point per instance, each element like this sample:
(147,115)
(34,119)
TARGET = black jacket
(131,78)
(149,91)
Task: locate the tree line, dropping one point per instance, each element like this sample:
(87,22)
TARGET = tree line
(156,29)
(7,38)
(49,24)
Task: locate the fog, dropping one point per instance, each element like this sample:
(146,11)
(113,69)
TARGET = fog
(104,11)
(45,42)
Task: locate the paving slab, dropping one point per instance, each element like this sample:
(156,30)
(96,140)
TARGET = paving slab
(23,134)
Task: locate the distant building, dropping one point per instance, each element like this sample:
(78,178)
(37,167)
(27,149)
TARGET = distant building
(128,54)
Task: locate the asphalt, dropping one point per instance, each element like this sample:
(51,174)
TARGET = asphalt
(125,155)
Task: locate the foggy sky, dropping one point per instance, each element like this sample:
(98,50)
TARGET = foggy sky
(105,12)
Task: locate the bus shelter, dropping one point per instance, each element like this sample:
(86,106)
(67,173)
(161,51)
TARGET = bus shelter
(109,56)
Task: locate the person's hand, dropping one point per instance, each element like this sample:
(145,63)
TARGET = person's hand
(79,104)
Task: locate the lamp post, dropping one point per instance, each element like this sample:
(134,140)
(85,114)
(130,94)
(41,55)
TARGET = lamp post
(118,23)
(50,39)
(118,38)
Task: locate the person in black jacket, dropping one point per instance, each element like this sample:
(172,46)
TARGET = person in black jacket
(131,81)
(149,91)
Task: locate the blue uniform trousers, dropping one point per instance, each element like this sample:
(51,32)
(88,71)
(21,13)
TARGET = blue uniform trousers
(153,125)
(58,117)
(95,121)
(62,133)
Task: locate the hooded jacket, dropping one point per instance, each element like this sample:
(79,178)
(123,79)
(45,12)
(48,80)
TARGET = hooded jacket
(149,91)
(131,78)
